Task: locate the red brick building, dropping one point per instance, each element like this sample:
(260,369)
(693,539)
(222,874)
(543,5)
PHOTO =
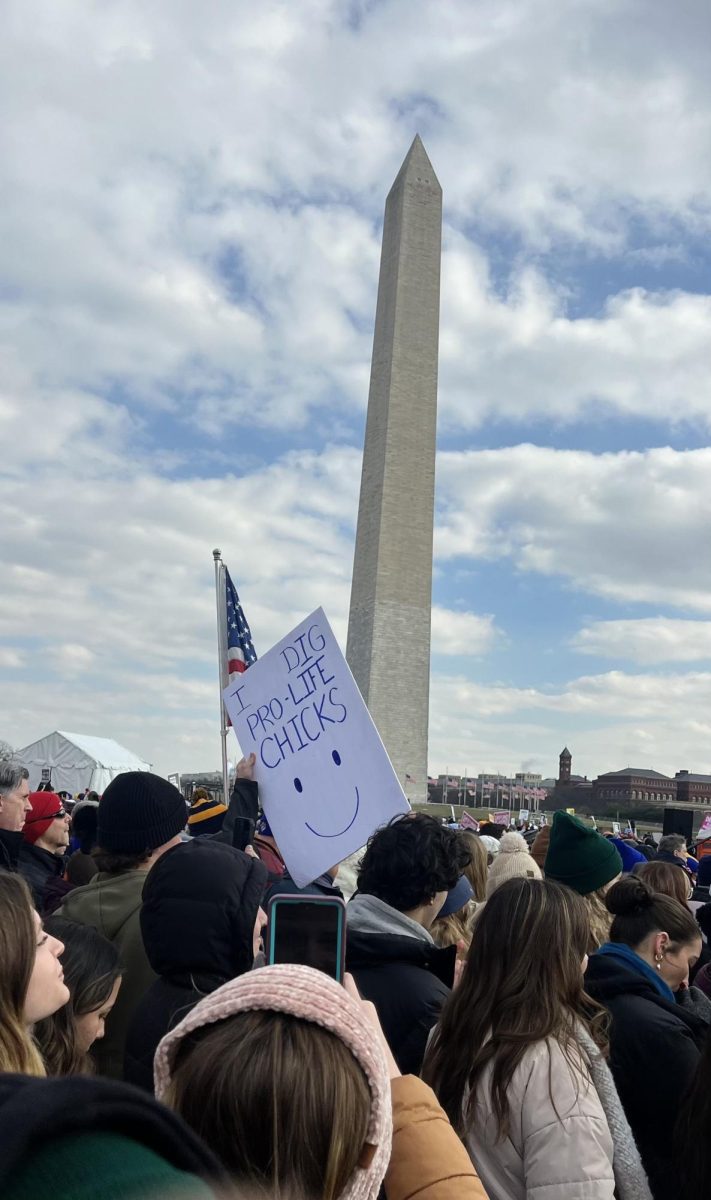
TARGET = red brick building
(634,785)
(693,789)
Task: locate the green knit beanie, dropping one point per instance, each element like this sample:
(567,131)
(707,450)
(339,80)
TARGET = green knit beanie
(580,857)
(84,1166)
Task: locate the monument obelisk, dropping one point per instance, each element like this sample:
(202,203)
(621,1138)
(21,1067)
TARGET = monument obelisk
(391,595)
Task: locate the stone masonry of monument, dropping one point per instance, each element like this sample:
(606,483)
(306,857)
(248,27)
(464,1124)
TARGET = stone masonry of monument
(391,596)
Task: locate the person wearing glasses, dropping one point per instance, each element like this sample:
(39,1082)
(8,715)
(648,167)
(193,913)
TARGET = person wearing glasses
(45,840)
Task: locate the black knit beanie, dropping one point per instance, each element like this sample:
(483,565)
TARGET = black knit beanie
(139,811)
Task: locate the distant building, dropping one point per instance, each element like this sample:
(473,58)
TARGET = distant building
(693,789)
(569,791)
(634,785)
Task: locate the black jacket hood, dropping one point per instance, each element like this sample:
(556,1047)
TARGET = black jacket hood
(200,904)
(32,1110)
(376,949)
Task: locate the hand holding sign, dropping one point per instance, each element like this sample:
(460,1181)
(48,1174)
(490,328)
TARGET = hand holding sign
(325,780)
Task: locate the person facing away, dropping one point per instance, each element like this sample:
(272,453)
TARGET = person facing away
(287,1077)
(14,808)
(45,839)
(408,869)
(587,862)
(654,1040)
(92,973)
(32,983)
(140,817)
(201,923)
(517,1063)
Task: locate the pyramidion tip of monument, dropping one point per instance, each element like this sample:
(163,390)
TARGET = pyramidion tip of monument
(416,165)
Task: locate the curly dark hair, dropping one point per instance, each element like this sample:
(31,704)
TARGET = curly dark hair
(411,859)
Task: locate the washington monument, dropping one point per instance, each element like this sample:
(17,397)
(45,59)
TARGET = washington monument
(391,594)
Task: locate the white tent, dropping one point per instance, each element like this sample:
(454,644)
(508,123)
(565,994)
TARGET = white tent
(76,761)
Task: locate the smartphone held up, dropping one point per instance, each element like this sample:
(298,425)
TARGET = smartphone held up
(310,930)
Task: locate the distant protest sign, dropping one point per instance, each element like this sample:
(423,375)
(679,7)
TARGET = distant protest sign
(705,828)
(524,814)
(325,780)
(467,822)
(500,817)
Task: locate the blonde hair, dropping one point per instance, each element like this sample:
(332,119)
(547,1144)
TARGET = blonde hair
(455,929)
(477,870)
(600,918)
(18,948)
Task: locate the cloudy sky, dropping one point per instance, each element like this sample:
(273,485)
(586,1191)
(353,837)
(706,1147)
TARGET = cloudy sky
(192,200)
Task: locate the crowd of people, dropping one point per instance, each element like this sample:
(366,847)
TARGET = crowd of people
(520,1019)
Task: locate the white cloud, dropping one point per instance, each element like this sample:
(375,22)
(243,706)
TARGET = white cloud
(521,356)
(462,633)
(646,641)
(625,526)
(609,721)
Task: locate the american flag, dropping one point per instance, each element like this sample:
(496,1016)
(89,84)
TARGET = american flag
(240,649)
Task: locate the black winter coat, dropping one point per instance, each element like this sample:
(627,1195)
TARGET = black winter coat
(200,904)
(34,1111)
(10,845)
(654,1052)
(408,981)
(39,868)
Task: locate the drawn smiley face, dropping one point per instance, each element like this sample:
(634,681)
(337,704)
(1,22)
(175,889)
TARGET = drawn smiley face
(339,832)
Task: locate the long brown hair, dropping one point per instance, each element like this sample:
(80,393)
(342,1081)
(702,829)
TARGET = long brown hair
(18,947)
(91,968)
(477,870)
(667,879)
(523,983)
(282,1102)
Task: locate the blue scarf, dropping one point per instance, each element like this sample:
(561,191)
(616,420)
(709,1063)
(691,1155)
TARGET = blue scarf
(626,954)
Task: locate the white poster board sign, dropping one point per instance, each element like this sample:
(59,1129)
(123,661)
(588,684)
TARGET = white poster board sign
(325,780)
(524,814)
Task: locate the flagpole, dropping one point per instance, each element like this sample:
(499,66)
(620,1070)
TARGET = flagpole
(221,663)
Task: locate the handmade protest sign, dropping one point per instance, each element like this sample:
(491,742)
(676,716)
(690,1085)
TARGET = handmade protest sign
(325,780)
(705,828)
(468,822)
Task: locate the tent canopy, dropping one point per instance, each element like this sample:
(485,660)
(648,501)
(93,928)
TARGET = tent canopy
(77,761)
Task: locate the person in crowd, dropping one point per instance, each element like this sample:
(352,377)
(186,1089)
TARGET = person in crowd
(201,922)
(14,808)
(514,861)
(477,870)
(703,878)
(453,924)
(140,817)
(539,847)
(654,1041)
(693,1132)
(517,1063)
(491,845)
(631,857)
(81,866)
(587,862)
(79,1138)
(234,1070)
(673,849)
(45,840)
(700,974)
(92,973)
(663,877)
(206,813)
(408,868)
(31,977)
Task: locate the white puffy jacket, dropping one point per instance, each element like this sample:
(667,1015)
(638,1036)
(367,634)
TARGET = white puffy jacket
(559,1145)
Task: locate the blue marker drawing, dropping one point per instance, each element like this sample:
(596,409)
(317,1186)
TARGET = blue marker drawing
(342,831)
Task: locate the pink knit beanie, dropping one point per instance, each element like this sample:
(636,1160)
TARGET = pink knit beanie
(301,992)
(513,861)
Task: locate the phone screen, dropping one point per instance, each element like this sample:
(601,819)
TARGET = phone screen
(308,932)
